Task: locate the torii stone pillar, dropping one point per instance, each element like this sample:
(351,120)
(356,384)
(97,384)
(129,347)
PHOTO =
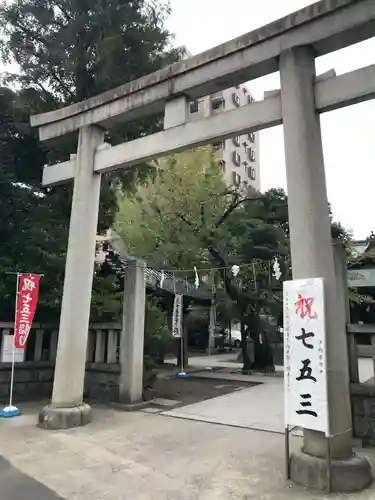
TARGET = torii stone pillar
(312,256)
(67,408)
(132,334)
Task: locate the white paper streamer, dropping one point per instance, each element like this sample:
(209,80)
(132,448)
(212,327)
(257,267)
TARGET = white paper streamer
(196,281)
(235,270)
(276,269)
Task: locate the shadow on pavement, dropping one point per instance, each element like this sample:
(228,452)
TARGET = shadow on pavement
(15,485)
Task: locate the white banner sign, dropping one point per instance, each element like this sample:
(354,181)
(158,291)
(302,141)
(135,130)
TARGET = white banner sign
(306,402)
(7,350)
(177,317)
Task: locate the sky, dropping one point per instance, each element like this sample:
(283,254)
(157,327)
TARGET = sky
(348,134)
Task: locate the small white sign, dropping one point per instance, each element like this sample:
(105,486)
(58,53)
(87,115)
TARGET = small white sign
(7,350)
(177,317)
(305,375)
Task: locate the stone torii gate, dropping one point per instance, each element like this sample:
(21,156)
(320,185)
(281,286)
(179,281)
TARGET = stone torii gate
(289,45)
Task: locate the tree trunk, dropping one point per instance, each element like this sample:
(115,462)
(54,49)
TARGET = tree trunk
(263,355)
(245,355)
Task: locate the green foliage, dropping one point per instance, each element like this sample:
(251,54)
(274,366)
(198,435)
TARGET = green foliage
(33,229)
(73,49)
(65,51)
(107,298)
(155,222)
(187,217)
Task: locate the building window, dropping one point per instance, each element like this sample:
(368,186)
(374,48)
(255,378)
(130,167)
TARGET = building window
(251,173)
(250,100)
(252,137)
(236,140)
(218,146)
(245,164)
(217,102)
(251,154)
(245,91)
(245,145)
(236,158)
(236,99)
(194,107)
(223,165)
(236,179)
(253,158)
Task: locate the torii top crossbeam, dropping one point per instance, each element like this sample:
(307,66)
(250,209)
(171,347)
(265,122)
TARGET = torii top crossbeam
(327,26)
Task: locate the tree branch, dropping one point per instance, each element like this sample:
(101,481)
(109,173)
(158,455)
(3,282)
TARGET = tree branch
(63,10)
(236,203)
(202,215)
(43,41)
(232,289)
(48,95)
(184,219)
(62,85)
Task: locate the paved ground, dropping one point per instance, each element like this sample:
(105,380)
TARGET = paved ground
(259,408)
(146,456)
(365,365)
(128,456)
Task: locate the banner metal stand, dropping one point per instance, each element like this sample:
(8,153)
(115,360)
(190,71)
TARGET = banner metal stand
(12,410)
(287,453)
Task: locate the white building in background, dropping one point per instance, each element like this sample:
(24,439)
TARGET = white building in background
(240,154)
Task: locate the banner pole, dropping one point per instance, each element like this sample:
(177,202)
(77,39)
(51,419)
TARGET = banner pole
(32,288)
(182,374)
(287,453)
(329,460)
(12,411)
(14,344)
(182,338)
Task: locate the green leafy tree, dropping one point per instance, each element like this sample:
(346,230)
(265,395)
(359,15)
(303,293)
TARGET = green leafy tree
(65,51)
(74,49)
(153,222)
(32,232)
(187,217)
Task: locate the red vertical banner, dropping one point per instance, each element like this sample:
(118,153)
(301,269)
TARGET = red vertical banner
(26,302)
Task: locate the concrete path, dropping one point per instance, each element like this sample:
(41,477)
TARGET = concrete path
(135,456)
(260,407)
(228,360)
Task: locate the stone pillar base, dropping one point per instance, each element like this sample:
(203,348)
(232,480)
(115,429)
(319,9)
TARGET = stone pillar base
(353,474)
(54,418)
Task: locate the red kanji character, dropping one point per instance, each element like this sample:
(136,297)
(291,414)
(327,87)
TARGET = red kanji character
(304,307)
